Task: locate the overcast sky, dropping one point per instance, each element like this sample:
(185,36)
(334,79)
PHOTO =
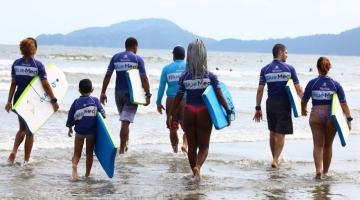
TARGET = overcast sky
(219,19)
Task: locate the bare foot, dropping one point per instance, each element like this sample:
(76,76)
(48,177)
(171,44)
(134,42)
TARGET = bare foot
(196,172)
(25,163)
(274,164)
(75,176)
(87,175)
(325,175)
(11,158)
(122,151)
(175,148)
(184,149)
(318,175)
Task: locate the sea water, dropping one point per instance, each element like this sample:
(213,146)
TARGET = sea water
(239,157)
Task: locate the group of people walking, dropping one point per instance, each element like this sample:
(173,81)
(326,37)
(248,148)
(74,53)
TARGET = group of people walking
(278,107)
(184,106)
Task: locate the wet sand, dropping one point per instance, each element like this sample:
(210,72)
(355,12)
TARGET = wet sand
(233,171)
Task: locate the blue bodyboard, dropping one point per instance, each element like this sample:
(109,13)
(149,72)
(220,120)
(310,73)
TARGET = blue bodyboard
(294,99)
(105,147)
(216,110)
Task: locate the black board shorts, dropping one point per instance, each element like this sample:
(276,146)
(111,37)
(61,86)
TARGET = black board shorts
(278,114)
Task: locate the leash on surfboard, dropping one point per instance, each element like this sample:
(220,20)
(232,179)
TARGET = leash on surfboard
(42,98)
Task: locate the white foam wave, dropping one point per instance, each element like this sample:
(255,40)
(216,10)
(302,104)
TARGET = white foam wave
(240,84)
(102,71)
(155,85)
(5,73)
(95,85)
(89,57)
(235,73)
(5,79)
(5,63)
(4,86)
(76,57)
(314,74)
(112,110)
(351,88)
(84,70)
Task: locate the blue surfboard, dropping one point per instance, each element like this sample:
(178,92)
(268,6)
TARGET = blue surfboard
(105,146)
(216,110)
(339,120)
(294,98)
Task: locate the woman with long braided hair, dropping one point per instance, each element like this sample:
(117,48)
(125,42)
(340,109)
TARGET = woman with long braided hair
(197,121)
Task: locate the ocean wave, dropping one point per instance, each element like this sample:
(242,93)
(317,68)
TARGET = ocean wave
(76,57)
(235,73)
(156,59)
(355,111)
(5,74)
(96,86)
(4,86)
(238,163)
(5,63)
(154,85)
(250,162)
(112,110)
(351,88)
(5,80)
(240,84)
(314,74)
(83,70)
(101,71)
(88,57)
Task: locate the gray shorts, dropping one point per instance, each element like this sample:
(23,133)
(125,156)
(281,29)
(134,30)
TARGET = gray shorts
(126,109)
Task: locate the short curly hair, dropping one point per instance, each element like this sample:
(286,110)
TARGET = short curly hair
(28,47)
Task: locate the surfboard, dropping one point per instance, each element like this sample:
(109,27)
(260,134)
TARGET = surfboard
(216,110)
(136,90)
(33,105)
(339,120)
(295,101)
(105,146)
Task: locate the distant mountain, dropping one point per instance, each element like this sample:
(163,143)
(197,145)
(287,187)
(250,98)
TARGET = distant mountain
(150,33)
(163,34)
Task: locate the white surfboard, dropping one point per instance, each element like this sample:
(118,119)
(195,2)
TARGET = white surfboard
(295,100)
(339,120)
(136,90)
(33,105)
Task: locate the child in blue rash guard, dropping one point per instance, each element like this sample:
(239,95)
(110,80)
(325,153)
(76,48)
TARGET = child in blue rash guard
(82,115)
